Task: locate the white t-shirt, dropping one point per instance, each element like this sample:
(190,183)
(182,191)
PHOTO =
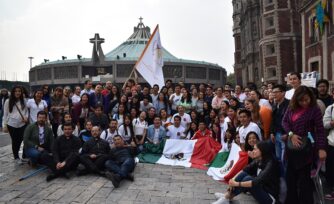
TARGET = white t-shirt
(61,132)
(264,102)
(109,137)
(289,94)
(185,119)
(34,109)
(90,91)
(252,127)
(75,99)
(223,128)
(139,126)
(142,106)
(176,100)
(121,130)
(241,97)
(175,132)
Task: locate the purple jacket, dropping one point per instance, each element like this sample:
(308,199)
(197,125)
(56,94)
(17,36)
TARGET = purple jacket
(310,121)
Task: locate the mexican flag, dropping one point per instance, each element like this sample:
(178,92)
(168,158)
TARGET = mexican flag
(223,169)
(188,153)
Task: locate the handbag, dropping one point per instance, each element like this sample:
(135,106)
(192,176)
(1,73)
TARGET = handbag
(303,146)
(20,113)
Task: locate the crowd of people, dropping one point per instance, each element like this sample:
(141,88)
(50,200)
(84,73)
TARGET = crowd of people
(100,130)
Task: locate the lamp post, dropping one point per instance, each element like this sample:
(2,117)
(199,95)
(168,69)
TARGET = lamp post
(30,61)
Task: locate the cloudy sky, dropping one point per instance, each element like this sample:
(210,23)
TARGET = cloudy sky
(49,29)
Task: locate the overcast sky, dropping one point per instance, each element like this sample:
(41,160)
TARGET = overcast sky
(49,29)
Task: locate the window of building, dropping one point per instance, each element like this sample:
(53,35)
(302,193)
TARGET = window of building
(44,74)
(271,72)
(65,72)
(313,31)
(124,70)
(269,22)
(214,74)
(32,77)
(196,72)
(172,71)
(268,2)
(315,66)
(270,49)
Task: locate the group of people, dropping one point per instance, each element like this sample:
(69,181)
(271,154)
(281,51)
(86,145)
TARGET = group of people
(103,128)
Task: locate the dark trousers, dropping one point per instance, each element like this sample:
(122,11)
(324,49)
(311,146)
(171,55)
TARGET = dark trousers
(330,166)
(299,185)
(93,165)
(122,169)
(71,163)
(259,194)
(54,129)
(35,156)
(16,134)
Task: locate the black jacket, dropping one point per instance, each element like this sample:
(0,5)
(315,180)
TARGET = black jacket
(96,146)
(277,117)
(64,148)
(120,154)
(268,177)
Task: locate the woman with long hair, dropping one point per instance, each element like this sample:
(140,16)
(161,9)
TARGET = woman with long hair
(111,99)
(224,107)
(80,111)
(260,177)
(186,100)
(35,105)
(161,103)
(126,130)
(119,116)
(233,116)
(166,120)
(15,119)
(303,123)
(193,127)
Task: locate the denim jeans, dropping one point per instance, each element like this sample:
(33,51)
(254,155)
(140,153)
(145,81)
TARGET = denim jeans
(259,194)
(279,146)
(122,169)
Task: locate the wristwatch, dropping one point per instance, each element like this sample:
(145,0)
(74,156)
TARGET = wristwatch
(290,134)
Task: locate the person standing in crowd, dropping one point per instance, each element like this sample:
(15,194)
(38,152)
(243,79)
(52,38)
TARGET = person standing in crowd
(96,98)
(302,120)
(94,154)
(86,134)
(161,103)
(59,105)
(35,105)
(245,118)
(111,99)
(67,118)
(145,93)
(76,95)
(80,111)
(260,178)
(87,88)
(3,97)
(155,132)
(194,97)
(65,154)
(277,132)
(46,95)
(218,99)
(323,86)
(239,94)
(107,89)
(155,93)
(126,130)
(150,116)
(175,99)
(110,133)
(38,139)
(176,131)
(256,95)
(145,104)
(185,117)
(209,95)
(98,118)
(328,120)
(67,95)
(186,101)
(140,129)
(295,82)
(119,116)
(15,120)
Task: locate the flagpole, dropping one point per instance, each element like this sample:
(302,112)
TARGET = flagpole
(141,56)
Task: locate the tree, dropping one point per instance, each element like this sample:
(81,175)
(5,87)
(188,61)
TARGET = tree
(231,79)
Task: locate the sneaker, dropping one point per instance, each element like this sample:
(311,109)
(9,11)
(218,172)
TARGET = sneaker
(114,178)
(130,177)
(219,195)
(221,200)
(25,160)
(329,196)
(51,177)
(18,161)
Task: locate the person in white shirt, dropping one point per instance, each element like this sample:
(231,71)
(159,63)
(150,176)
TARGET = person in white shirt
(185,117)
(295,82)
(145,104)
(217,100)
(239,94)
(175,99)
(76,96)
(15,119)
(255,95)
(245,118)
(67,119)
(155,93)
(176,131)
(140,128)
(111,132)
(35,105)
(126,130)
(88,88)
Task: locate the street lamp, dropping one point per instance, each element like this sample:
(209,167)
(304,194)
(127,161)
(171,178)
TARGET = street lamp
(30,61)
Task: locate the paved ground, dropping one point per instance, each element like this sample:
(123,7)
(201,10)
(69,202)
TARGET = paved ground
(153,184)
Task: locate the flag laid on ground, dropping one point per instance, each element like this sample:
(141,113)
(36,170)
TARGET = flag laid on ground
(219,170)
(150,63)
(188,153)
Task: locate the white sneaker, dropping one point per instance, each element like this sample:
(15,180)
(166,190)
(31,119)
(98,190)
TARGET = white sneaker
(18,161)
(219,195)
(221,200)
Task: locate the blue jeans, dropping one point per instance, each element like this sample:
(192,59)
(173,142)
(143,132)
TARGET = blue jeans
(279,146)
(122,169)
(33,154)
(259,194)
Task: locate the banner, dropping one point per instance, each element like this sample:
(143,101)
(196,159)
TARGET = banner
(150,63)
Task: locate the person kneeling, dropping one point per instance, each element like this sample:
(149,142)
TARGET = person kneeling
(94,154)
(121,162)
(260,178)
(65,154)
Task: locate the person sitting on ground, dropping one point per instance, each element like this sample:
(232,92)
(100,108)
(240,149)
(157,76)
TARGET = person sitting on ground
(202,131)
(260,178)
(176,131)
(251,139)
(121,162)
(67,118)
(65,154)
(38,139)
(156,133)
(98,118)
(86,134)
(94,154)
(140,129)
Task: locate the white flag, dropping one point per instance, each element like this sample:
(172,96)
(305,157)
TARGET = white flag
(150,63)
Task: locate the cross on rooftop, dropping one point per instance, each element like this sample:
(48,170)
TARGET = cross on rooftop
(140,20)
(96,40)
